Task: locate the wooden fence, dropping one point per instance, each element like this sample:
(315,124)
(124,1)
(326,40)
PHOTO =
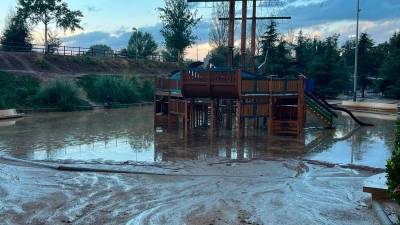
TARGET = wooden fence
(75,51)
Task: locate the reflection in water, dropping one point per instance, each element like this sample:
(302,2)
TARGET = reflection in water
(128,134)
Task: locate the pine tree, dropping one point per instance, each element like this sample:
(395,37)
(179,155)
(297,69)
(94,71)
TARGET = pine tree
(390,69)
(16,36)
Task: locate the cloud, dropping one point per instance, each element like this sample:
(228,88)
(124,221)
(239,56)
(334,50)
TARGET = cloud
(120,37)
(91,8)
(379,18)
(318,12)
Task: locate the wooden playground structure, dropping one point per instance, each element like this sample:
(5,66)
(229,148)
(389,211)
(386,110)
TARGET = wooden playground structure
(228,98)
(234,97)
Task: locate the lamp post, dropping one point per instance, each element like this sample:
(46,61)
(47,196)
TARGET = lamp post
(135,30)
(356,55)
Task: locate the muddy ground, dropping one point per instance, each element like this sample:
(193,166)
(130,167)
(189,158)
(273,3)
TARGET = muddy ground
(189,192)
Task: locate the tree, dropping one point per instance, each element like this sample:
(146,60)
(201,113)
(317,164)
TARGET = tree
(99,50)
(275,51)
(270,38)
(16,36)
(178,24)
(54,42)
(366,62)
(141,45)
(218,35)
(48,12)
(304,52)
(322,63)
(390,69)
(218,56)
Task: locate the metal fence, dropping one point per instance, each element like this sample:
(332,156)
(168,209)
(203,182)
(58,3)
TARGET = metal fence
(75,51)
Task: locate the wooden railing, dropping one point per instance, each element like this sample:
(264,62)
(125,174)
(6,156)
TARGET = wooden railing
(196,76)
(166,84)
(177,106)
(263,85)
(226,83)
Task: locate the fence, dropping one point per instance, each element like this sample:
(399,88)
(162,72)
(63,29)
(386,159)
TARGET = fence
(75,51)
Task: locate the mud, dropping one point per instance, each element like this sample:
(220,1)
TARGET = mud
(258,192)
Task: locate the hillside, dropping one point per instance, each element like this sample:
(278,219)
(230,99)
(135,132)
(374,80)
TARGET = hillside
(47,67)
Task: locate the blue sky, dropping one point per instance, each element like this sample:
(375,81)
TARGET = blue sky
(110,21)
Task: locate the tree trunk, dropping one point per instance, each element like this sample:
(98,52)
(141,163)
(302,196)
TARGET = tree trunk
(363,89)
(46,44)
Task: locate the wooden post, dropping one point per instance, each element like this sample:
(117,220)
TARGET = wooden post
(229,114)
(271,108)
(155,110)
(243,35)
(186,119)
(212,125)
(231,32)
(169,114)
(300,105)
(238,118)
(253,38)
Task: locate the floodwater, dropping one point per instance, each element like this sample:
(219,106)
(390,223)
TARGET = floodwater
(121,135)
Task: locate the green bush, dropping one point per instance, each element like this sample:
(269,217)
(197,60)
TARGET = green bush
(393,168)
(27,86)
(146,91)
(392,91)
(121,89)
(16,90)
(84,60)
(117,89)
(60,94)
(42,63)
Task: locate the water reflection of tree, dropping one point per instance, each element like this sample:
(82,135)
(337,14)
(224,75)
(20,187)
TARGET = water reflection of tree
(50,132)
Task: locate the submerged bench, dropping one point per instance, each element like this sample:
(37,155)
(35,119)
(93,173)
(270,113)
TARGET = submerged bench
(376,186)
(371,106)
(10,114)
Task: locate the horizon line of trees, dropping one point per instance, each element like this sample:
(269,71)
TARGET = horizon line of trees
(328,63)
(177,19)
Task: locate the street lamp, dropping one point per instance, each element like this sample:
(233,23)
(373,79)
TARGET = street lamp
(356,55)
(135,30)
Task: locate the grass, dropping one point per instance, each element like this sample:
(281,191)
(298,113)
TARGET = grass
(62,95)
(25,91)
(85,60)
(15,91)
(116,88)
(42,63)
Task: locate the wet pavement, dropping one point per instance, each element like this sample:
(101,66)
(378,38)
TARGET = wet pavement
(128,135)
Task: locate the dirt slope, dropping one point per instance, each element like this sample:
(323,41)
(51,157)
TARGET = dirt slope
(50,66)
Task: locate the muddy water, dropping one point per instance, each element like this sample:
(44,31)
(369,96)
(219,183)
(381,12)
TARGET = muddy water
(128,135)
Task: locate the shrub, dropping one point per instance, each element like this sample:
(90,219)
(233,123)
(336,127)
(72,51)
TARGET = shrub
(26,86)
(146,90)
(393,168)
(392,91)
(15,90)
(115,88)
(60,94)
(7,91)
(42,63)
(84,60)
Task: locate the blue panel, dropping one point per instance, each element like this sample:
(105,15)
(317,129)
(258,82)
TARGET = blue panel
(310,85)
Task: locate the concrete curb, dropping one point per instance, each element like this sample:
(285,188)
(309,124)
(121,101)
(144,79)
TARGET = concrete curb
(380,213)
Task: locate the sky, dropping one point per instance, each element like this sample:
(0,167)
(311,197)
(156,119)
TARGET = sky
(111,21)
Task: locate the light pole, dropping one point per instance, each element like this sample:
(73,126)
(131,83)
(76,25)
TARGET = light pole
(135,30)
(356,55)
